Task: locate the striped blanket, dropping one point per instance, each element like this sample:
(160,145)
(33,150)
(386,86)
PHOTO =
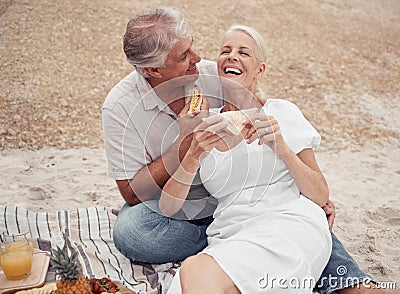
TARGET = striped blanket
(89,232)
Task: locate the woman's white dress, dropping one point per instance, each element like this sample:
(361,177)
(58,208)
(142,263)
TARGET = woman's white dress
(266,236)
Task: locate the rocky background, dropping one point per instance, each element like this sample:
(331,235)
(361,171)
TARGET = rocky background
(338,60)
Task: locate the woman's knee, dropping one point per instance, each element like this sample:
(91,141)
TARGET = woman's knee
(202,271)
(188,271)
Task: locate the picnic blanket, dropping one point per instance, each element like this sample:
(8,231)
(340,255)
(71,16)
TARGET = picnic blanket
(88,231)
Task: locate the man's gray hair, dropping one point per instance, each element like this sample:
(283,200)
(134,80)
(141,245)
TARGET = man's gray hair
(150,36)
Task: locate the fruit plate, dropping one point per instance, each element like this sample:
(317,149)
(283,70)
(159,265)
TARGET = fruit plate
(40,265)
(122,289)
(101,285)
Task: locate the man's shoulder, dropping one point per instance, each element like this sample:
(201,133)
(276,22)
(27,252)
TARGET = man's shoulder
(209,82)
(125,87)
(207,67)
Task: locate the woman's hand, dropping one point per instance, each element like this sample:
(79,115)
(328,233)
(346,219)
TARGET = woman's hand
(207,135)
(302,166)
(266,129)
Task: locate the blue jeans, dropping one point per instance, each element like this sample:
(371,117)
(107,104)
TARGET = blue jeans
(142,233)
(341,271)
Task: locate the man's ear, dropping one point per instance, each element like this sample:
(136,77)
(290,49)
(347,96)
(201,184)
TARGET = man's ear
(153,71)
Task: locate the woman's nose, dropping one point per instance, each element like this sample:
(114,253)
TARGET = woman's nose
(232,56)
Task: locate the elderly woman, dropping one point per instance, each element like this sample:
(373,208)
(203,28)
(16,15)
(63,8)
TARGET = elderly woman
(269,231)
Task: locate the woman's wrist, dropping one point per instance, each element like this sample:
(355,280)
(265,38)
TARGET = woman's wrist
(190,162)
(285,152)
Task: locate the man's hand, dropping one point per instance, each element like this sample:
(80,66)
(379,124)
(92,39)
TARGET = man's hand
(330,212)
(187,123)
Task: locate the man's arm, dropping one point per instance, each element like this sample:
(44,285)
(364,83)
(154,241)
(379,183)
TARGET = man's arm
(330,212)
(149,181)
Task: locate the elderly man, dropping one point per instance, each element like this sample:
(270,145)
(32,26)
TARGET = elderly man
(146,133)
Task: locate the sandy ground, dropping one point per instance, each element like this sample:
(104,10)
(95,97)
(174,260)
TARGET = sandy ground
(338,60)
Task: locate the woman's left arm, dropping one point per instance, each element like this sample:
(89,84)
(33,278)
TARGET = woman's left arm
(305,171)
(302,166)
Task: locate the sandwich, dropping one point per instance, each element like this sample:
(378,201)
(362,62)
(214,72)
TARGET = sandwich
(237,120)
(195,101)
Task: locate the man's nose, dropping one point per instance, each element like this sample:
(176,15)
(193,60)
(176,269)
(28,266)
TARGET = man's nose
(194,56)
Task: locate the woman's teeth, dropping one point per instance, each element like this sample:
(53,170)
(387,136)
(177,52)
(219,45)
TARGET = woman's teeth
(231,70)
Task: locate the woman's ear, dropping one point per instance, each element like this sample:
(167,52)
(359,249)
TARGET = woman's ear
(261,69)
(153,71)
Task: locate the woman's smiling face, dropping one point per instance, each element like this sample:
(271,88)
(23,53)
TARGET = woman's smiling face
(237,60)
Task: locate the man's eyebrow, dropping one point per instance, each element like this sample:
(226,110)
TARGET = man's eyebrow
(187,51)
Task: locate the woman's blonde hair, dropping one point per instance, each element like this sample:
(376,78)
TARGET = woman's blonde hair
(261,46)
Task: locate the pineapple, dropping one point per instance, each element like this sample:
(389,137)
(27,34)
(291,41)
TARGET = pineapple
(71,280)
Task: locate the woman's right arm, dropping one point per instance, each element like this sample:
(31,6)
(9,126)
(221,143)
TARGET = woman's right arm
(176,189)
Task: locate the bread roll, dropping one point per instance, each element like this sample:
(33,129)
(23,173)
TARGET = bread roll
(195,101)
(235,120)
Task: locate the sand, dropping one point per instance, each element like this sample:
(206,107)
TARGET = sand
(339,61)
